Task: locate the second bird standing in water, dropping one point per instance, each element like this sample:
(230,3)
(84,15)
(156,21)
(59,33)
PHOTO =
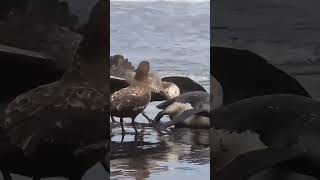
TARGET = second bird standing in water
(129,102)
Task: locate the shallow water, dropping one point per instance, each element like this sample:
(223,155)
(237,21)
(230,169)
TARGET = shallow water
(182,154)
(185,153)
(174,37)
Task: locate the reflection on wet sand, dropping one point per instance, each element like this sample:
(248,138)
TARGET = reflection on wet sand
(148,155)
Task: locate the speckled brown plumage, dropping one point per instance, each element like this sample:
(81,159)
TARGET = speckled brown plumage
(131,101)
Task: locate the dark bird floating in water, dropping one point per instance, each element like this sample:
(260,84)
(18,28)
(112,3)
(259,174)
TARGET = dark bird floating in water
(244,74)
(49,125)
(286,126)
(129,102)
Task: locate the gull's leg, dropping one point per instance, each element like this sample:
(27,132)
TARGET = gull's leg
(121,122)
(149,119)
(134,125)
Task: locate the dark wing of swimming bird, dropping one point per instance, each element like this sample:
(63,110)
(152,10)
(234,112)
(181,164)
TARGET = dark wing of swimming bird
(251,163)
(184,83)
(244,74)
(117,83)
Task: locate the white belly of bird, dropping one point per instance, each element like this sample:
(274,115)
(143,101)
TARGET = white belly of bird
(194,121)
(197,121)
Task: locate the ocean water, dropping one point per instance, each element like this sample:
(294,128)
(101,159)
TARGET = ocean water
(175,37)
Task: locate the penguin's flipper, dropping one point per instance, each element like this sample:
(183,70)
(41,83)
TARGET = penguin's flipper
(250,163)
